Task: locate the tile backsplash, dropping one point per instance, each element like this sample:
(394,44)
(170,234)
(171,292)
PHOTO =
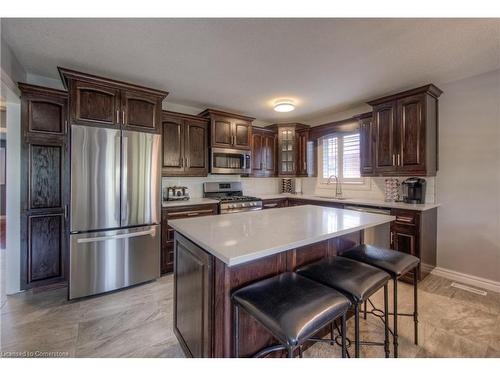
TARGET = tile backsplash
(374,188)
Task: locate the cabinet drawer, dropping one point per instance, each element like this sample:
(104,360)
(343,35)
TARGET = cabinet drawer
(193,211)
(405,217)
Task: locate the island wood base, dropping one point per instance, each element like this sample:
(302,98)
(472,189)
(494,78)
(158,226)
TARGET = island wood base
(203,285)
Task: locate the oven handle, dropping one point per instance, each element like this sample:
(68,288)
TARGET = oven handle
(233,211)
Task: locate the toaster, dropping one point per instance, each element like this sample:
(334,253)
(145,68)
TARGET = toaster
(176,193)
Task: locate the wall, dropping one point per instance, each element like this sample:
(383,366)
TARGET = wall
(468,182)
(11,73)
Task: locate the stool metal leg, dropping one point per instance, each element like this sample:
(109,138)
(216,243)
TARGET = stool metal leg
(386,321)
(236,330)
(364,313)
(289,350)
(344,334)
(356,331)
(415,304)
(332,333)
(301,352)
(395,318)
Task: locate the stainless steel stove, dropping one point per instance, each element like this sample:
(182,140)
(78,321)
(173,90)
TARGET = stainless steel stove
(230,196)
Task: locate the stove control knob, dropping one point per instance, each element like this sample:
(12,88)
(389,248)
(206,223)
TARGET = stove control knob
(230,205)
(252,203)
(243,205)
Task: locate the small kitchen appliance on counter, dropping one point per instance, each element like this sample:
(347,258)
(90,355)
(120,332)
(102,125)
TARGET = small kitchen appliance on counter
(414,190)
(176,193)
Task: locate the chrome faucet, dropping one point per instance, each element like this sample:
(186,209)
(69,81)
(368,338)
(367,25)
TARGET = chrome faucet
(338,185)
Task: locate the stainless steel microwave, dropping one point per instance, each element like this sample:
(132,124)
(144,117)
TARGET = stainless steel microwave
(229,161)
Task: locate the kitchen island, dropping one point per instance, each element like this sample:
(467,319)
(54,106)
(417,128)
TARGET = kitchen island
(216,255)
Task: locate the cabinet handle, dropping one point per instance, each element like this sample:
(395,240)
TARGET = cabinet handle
(305,165)
(271,205)
(123,117)
(65,211)
(190,213)
(117,116)
(399,160)
(186,161)
(393,159)
(181,161)
(392,238)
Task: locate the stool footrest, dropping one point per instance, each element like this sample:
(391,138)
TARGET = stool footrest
(269,350)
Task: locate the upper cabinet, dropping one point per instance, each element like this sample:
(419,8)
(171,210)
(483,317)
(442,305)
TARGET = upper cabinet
(293,150)
(185,151)
(366,149)
(229,130)
(99,101)
(263,152)
(404,134)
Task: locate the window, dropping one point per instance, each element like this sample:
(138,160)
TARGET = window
(339,156)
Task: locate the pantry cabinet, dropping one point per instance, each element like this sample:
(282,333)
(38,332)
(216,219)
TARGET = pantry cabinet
(45,174)
(404,134)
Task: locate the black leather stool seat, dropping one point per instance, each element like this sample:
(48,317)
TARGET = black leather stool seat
(394,262)
(357,280)
(290,306)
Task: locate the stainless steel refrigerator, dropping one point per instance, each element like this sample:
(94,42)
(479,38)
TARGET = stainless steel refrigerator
(115,209)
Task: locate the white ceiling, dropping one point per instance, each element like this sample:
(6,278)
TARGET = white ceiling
(241,65)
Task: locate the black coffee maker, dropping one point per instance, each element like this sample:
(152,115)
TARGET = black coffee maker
(414,190)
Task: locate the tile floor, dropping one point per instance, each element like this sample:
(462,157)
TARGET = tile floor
(137,322)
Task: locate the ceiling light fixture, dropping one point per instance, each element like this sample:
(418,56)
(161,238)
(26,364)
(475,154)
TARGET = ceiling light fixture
(284,106)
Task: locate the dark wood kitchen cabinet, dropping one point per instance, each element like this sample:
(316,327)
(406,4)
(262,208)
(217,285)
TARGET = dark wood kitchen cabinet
(229,130)
(44,186)
(405,133)
(99,101)
(185,145)
(167,232)
(415,233)
(292,149)
(366,149)
(263,152)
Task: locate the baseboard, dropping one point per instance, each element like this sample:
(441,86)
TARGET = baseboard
(475,281)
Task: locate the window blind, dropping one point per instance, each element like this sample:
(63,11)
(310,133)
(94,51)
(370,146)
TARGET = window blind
(350,167)
(330,157)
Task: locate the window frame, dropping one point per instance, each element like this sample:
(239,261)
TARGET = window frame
(361,182)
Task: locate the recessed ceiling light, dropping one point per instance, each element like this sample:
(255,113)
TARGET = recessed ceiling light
(284,106)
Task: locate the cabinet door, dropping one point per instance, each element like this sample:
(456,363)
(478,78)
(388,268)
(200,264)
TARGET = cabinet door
(140,111)
(195,148)
(222,134)
(404,238)
(93,104)
(366,146)
(411,134)
(46,115)
(173,147)
(302,138)
(384,122)
(286,151)
(258,154)
(269,154)
(242,134)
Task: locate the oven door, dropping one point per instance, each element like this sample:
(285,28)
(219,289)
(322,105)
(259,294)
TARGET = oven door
(229,161)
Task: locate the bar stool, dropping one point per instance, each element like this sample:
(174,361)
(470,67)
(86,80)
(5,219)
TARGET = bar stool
(292,308)
(358,281)
(396,264)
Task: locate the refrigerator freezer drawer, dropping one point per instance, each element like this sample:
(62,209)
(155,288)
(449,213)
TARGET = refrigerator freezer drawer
(109,260)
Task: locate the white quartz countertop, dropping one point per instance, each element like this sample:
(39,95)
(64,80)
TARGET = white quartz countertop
(189,202)
(356,201)
(243,237)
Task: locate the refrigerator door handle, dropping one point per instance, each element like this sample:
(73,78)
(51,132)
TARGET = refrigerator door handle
(124,192)
(117,236)
(117,174)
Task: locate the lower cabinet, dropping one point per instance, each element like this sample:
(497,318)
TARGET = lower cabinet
(414,232)
(167,232)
